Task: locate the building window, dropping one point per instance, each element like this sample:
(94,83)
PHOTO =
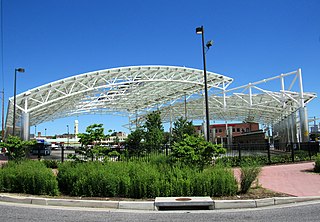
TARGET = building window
(247,130)
(220,130)
(238,130)
(233,130)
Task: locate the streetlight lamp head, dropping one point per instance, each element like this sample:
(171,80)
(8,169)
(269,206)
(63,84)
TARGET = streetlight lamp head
(20,69)
(199,30)
(209,44)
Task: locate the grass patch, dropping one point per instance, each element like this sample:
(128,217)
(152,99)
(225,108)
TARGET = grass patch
(143,180)
(30,177)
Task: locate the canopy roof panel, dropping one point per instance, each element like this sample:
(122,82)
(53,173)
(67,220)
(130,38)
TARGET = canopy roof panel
(117,91)
(176,91)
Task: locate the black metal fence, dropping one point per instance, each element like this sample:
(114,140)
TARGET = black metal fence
(295,151)
(288,152)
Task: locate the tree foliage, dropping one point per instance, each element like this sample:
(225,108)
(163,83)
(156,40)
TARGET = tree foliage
(91,142)
(134,143)
(195,151)
(154,131)
(181,127)
(17,148)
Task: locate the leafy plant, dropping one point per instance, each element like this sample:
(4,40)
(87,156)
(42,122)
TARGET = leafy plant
(91,142)
(31,177)
(53,164)
(134,143)
(195,151)
(181,127)
(143,180)
(154,132)
(17,148)
(317,164)
(249,173)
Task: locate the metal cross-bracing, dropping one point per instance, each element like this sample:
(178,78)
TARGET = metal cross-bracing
(269,101)
(252,102)
(121,91)
(175,91)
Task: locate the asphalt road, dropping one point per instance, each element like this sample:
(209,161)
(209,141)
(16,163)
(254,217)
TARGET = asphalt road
(10,212)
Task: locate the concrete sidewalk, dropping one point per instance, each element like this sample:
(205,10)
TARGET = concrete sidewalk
(293,179)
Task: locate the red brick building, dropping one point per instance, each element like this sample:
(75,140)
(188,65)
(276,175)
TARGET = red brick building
(219,132)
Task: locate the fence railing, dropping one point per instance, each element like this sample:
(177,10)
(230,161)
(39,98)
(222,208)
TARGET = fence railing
(292,151)
(295,151)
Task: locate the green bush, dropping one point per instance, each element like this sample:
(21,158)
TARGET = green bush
(195,151)
(143,180)
(317,164)
(53,164)
(249,173)
(30,177)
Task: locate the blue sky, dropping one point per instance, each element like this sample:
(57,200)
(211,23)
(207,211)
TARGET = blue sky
(55,39)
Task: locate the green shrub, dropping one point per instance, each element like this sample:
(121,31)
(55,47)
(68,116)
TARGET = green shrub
(143,180)
(249,173)
(53,164)
(195,151)
(317,164)
(31,177)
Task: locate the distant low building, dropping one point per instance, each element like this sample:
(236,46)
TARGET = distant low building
(224,133)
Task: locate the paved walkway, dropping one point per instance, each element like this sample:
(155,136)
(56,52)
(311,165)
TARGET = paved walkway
(293,179)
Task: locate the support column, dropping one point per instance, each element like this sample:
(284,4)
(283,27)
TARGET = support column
(287,128)
(304,133)
(303,112)
(294,127)
(25,126)
(25,122)
(214,139)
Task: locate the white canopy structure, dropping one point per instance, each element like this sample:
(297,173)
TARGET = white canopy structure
(176,91)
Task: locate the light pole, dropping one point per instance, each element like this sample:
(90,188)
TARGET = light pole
(68,133)
(14,98)
(200,30)
(45,132)
(2,118)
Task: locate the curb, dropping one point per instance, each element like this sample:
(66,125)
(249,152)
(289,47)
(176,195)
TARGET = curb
(152,205)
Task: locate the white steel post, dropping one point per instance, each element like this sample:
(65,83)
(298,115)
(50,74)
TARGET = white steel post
(25,126)
(303,112)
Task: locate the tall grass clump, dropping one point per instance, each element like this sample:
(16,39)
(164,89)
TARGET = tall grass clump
(30,177)
(317,164)
(215,181)
(249,173)
(143,180)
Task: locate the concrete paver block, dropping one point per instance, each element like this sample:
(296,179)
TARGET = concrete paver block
(83,203)
(264,202)
(288,200)
(233,204)
(137,205)
(39,201)
(15,199)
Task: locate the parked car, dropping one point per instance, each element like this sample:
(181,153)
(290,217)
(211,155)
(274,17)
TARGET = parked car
(42,148)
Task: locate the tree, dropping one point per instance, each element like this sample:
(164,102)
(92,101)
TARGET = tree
(91,142)
(17,148)
(181,127)
(134,143)
(154,131)
(195,151)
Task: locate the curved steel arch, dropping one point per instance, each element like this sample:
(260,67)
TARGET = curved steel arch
(136,90)
(118,90)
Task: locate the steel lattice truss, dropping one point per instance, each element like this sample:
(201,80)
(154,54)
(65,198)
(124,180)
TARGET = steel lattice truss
(176,91)
(122,91)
